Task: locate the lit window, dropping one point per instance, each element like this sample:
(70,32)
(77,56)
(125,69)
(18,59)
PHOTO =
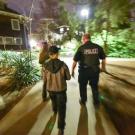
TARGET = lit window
(15,24)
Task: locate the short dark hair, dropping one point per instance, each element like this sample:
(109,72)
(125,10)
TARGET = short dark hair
(44,43)
(87,36)
(53,50)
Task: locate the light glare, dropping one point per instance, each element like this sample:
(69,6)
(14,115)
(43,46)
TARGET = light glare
(33,43)
(85,13)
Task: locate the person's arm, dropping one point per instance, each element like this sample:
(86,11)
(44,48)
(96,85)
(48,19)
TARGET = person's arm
(73,68)
(67,73)
(43,55)
(103,65)
(44,74)
(75,60)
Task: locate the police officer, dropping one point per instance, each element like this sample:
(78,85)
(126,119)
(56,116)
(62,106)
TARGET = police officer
(88,57)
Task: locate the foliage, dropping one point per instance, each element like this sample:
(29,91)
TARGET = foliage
(62,16)
(75,26)
(6,58)
(110,16)
(25,72)
(111,25)
(122,44)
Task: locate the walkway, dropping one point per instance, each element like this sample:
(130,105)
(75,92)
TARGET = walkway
(33,117)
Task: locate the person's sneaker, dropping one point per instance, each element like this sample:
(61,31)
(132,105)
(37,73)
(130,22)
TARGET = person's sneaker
(82,102)
(61,132)
(55,111)
(46,99)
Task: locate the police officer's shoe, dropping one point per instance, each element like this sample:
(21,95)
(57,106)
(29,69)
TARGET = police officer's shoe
(82,102)
(97,105)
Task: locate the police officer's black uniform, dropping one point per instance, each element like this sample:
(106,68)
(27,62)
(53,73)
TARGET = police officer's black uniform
(88,56)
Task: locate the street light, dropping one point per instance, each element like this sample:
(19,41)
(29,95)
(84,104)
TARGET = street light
(85,13)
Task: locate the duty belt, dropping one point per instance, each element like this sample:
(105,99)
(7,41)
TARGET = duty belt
(86,67)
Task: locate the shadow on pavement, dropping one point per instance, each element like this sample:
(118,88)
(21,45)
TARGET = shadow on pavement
(124,124)
(99,127)
(83,122)
(49,125)
(26,122)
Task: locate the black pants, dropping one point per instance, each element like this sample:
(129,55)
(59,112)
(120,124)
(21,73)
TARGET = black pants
(85,76)
(44,92)
(59,100)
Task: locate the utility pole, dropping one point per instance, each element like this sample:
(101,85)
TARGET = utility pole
(30,16)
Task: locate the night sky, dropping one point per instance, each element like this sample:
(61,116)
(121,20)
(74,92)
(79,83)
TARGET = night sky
(41,9)
(44,8)
(22,7)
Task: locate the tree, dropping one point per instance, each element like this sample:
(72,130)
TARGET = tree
(72,21)
(111,20)
(109,17)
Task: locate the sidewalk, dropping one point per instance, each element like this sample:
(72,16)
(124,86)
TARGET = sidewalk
(33,117)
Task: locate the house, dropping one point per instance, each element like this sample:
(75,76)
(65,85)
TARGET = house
(13,29)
